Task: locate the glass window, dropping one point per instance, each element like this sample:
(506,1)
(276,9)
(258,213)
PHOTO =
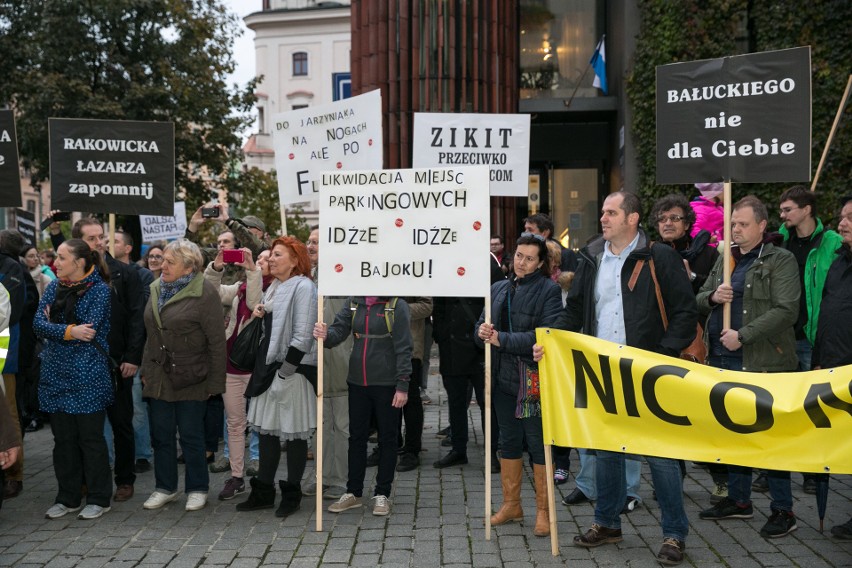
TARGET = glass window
(300,64)
(558,38)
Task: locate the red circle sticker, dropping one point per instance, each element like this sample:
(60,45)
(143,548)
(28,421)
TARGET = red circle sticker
(338,268)
(460,270)
(398,223)
(339,165)
(370,142)
(477,225)
(292,155)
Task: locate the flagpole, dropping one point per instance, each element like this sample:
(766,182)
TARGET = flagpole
(594,58)
(580,82)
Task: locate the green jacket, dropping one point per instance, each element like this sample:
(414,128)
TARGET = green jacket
(816,268)
(770,310)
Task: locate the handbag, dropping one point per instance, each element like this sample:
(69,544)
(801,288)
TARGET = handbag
(695,351)
(115,376)
(529,393)
(244,351)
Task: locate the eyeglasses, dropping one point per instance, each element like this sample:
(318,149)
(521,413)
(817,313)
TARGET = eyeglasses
(670,218)
(155,257)
(534,235)
(785,210)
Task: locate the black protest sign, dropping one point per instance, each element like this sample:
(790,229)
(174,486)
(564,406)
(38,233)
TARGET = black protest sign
(112,166)
(741,119)
(25,222)
(10,178)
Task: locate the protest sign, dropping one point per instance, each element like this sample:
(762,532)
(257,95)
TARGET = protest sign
(602,395)
(741,119)
(405,232)
(25,221)
(10,178)
(499,141)
(112,166)
(156,228)
(344,135)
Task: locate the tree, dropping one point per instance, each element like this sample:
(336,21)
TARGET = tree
(163,60)
(255,192)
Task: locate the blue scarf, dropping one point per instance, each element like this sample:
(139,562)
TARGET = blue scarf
(169,289)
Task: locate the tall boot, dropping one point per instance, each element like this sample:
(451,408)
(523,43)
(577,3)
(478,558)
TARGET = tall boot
(542,519)
(262,496)
(291,498)
(510,476)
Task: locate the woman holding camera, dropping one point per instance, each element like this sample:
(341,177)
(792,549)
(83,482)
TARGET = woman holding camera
(183,365)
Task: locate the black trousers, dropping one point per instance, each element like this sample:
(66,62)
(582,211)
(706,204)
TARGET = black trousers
(363,403)
(80,456)
(458,399)
(412,412)
(121,418)
(214,423)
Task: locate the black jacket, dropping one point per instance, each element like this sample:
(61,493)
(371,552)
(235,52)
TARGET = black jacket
(699,254)
(833,345)
(12,278)
(643,323)
(453,327)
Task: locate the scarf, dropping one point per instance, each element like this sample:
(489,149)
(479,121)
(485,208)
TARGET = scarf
(67,293)
(169,289)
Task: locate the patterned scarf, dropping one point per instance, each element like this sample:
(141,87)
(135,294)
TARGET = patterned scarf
(169,289)
(67,293)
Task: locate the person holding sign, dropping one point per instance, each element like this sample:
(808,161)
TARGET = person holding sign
(378,379)
(75,389)
(519,305)
(764,297)
(614,297)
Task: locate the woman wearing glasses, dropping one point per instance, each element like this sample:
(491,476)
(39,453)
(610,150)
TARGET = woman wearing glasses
(529,299)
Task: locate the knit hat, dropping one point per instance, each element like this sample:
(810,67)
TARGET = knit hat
(710,190)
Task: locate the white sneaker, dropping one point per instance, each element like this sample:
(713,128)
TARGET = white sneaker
(196,500)
(346,501)
(92,512)
(59,510)
(381,506)
(158,499)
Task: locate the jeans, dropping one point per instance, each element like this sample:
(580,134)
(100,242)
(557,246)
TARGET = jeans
(458,401)
(141,428)
(80,456)
(586,477)
(515,431)
(612,492)
(185,417)
(780,488)
(363,403)
(804,351)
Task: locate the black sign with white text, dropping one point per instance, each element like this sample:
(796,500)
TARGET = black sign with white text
(10,178)
(26,225)
(112,166)
(741,119)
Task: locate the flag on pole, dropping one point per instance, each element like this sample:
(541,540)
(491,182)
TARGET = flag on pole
(598,63)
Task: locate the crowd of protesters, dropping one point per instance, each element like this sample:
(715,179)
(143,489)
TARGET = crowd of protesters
(125,359)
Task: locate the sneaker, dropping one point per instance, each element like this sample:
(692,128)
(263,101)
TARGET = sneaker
(720,493)
(809,486)
(598,535)
(373,458)
(727,509)
(630,505)
(90,512)
(333,492)
(158,499)
(780,523)
(233,487)
(346,501)
(843,531)
(425,398)
(671,552)
(311,490)
(761,483)
(59,510)
(443,433)
(221,464)
(381,506)
(252,467)
(560,476)
(408,462)
(575,498)
(196,501)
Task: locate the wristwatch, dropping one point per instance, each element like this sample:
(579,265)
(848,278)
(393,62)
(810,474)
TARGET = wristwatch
(740,338)
(692,276)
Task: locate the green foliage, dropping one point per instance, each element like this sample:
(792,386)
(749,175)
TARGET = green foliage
(255,192)
(163,60)
(690,30)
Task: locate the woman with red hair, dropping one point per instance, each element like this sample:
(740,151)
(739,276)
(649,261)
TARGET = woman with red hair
(284,381)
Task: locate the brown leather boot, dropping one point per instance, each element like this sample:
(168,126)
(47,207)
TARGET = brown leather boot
(542,519)
(510,476)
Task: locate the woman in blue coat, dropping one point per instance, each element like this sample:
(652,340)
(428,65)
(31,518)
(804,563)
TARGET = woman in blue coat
(75,386)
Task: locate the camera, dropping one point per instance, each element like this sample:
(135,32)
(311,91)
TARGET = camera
(210,212)
(233,255)
(64,216)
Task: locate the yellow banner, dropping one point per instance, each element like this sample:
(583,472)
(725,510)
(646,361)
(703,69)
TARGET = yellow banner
(597,394)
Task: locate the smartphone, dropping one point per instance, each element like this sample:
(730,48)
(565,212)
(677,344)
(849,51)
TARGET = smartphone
(210,212)
(55,219)
(233,255)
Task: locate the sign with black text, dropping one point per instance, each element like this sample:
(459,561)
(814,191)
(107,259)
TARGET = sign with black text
(161,228)
(742,119)
(499,141)
(112,166)
(10,177)
(344,135)
(405,232)
(25,221)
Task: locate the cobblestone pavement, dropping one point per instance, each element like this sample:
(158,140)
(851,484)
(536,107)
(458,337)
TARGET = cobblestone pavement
(437,520)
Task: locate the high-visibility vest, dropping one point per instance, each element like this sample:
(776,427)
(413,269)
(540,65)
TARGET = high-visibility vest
(4,333)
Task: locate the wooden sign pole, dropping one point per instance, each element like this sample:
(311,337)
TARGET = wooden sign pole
(319,417)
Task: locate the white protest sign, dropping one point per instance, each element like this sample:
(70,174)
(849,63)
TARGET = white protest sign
(405,233)
(345,135)
(499,141)
(164,228)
